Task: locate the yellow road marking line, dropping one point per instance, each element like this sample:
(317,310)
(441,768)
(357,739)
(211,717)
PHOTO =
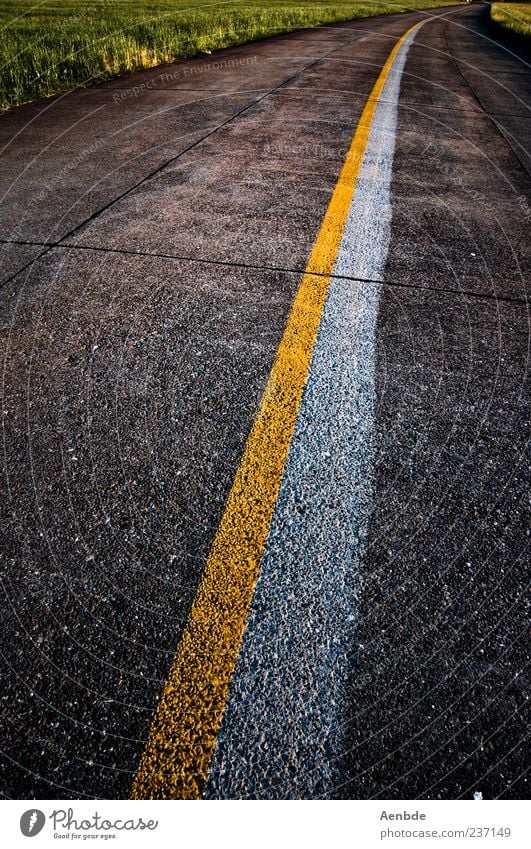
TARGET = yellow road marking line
(177,756)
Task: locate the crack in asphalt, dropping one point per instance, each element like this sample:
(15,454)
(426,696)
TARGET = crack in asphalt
(448,290)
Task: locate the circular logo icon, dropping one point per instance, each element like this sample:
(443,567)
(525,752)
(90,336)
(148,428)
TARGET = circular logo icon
(31,822)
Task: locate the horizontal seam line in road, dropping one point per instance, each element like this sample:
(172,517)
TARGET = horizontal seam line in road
(154,89)
(350,92)
(449,290)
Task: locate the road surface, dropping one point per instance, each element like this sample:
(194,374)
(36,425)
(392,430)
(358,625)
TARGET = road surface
(265,344)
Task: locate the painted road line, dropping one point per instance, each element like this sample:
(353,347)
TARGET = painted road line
(283,731)
(183,735)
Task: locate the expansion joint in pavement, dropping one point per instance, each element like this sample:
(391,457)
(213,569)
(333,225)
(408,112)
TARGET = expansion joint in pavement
(396,284)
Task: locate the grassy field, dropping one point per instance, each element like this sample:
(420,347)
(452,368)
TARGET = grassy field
(513,16)
(53,45)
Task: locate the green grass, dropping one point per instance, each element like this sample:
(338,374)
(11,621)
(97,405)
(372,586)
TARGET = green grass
(515,17)
(48,46)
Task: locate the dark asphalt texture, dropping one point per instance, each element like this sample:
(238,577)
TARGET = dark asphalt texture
(151,245)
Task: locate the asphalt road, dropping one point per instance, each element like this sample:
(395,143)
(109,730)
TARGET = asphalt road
(154,230)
